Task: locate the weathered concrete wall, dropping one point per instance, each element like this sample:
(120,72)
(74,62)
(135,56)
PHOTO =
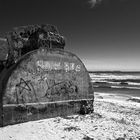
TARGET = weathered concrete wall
(45,76)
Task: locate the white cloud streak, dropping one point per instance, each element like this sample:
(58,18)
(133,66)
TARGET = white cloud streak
(94,2)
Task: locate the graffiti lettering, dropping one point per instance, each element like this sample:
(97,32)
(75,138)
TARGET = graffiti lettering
(78,68)
(66,66)
(72,66)
(48,65)
(57,65)
(52,65)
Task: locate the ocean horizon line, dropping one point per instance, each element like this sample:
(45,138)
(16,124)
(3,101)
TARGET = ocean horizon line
(112,71)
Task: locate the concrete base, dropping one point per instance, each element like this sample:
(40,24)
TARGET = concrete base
(13,113)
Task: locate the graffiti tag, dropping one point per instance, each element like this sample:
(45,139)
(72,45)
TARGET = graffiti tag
(62,88)
(24,91)
(52,65)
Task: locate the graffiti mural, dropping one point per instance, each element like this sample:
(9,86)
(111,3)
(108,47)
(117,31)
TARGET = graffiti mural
(43,77)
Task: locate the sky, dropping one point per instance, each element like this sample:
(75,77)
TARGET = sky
(104,34)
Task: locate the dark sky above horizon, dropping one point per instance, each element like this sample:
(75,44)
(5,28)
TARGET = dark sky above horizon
(105,36)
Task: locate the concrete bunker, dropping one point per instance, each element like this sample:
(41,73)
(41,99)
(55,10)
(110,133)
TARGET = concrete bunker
(45,81)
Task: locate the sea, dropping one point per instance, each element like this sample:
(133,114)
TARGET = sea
(127,83)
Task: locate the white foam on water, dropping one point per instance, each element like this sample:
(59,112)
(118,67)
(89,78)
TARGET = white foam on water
(113,76)
(133,83)
(127,87)
(107,77)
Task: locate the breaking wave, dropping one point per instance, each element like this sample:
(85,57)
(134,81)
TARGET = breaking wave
(116,80)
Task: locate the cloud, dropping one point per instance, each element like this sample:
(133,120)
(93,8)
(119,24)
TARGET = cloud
(94,2)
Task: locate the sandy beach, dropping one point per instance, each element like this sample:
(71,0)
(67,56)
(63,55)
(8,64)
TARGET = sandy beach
(115,117)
